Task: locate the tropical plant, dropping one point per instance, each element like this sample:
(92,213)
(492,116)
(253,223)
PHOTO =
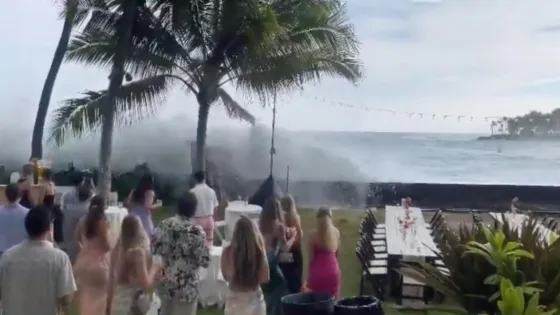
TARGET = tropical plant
(467,272)
(513,302)
(503,256)
(260,47)
(74,13)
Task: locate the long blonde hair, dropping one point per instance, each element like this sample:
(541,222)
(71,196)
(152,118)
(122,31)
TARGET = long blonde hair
(291,215)
(247,248)
(327,234)
(133,234)
(271,215)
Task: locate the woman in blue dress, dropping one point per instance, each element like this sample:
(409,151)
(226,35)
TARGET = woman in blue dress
(141,202)
(276,237)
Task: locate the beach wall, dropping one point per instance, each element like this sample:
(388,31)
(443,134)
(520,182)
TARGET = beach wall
(353,195)
(428,195)
(494,197)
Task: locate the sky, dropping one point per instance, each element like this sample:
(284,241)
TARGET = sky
(472,58)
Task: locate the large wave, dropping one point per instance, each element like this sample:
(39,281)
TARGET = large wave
(166,146)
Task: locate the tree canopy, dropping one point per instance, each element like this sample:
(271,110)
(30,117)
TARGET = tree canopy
(204,46)
(533,123)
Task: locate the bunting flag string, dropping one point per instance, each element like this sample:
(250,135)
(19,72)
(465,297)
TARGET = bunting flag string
(420,115)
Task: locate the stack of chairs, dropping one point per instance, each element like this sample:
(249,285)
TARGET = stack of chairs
(440,232)
(371,250)
(550,223)
(412,292)
(438,215)
(437,224)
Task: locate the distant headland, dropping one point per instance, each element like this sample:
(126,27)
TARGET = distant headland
(532,126)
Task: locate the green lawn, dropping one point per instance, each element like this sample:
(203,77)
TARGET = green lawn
(347,222)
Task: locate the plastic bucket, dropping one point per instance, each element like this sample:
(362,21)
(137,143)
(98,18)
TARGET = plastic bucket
(358,305)
(308,303)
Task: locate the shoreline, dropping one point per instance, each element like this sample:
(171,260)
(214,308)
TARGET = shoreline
(509,137)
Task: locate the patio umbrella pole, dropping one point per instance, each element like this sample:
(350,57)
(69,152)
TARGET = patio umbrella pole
(272,149)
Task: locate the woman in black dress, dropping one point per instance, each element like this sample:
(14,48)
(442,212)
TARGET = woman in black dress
(291,261)
(48,201)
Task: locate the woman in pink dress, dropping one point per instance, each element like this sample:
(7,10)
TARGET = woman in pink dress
(91,268)
(324,272)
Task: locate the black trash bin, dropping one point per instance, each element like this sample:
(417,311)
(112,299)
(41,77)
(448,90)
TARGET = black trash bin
(358,305)
(309,303)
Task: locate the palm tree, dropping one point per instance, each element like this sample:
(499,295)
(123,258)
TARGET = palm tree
(107,113)
(74,13)
(261,47)
(493,126)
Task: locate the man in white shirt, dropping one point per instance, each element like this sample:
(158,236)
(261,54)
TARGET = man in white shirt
(207,202)
(35,277)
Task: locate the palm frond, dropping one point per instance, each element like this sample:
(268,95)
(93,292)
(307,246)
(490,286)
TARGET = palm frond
(285,71)
(291,43)
(81,9)
(155,49)
(99,49)
(234,109)
(134,101)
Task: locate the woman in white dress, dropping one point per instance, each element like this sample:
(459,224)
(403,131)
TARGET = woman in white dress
(245,268)
(132,270)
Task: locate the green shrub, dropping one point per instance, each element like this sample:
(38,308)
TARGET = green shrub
(465,285)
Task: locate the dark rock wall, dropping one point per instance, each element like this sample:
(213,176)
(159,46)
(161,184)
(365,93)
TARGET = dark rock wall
(347,194)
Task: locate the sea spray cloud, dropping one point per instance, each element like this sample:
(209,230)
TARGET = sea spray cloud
(165,146)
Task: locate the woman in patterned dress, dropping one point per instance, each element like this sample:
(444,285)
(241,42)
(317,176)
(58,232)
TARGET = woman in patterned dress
(245,268)
(132,269)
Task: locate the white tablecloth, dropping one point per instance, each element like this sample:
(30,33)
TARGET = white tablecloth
(212,288)
(415,241)
(237,208)
(115,216)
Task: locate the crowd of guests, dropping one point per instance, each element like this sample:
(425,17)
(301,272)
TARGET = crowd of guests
(261,263)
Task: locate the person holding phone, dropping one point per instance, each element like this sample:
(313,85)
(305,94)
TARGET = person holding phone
(141,202)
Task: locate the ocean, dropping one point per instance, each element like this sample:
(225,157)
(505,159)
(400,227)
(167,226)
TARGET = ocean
(319,156)
(445,158)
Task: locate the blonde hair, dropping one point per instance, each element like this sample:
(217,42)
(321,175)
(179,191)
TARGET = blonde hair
(290,211)
(247,248)
(270,216)
(133,234)
(327,234)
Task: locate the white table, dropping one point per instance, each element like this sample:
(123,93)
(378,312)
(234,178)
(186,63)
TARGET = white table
(416,241)
(61,190)
(235,209)
(115,216)
(212,288)
(517,220)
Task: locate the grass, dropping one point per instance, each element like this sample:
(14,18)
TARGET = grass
(347,222)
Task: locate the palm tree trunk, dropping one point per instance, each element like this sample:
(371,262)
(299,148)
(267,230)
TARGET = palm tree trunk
(201,129)
(44,101)
(117,73)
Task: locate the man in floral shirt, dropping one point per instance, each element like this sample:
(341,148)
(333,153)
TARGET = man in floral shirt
(182,247)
